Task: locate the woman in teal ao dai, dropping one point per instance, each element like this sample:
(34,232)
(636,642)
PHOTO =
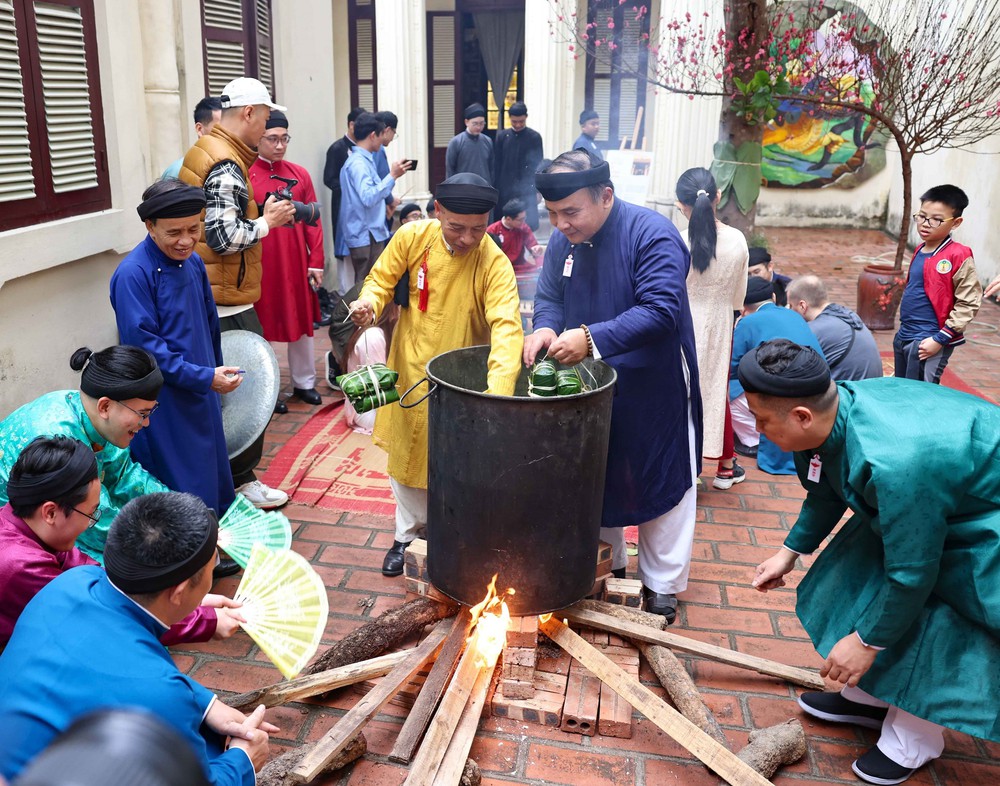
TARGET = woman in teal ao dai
(118,391)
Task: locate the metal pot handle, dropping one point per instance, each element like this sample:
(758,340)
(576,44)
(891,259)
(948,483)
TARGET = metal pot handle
(414,387)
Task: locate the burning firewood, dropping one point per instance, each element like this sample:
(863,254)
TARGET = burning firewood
(382,633)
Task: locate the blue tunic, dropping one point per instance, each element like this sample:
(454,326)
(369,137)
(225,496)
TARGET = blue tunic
(628,286)
(767,322)
(81,645)
(167,308)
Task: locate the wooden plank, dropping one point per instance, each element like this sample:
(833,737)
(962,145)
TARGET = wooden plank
(804,677)
(321,682)
(335,740)
(434,686)
(583,696)
(428,760)
(453,764)
(714,756)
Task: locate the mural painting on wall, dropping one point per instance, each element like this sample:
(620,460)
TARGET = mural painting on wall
(806,146)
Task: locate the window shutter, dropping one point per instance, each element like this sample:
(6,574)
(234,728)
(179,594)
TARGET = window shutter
(63,63)
(363,54)
(225,53)
(264,48)
(16,179)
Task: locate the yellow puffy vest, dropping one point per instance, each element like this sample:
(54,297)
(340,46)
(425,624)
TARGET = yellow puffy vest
(235,278)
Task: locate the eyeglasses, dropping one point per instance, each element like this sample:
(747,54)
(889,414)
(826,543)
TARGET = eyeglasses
(274,140)
(94,517)
(142,415)
(933,223)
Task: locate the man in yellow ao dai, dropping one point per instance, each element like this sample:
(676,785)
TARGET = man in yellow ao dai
(462,292)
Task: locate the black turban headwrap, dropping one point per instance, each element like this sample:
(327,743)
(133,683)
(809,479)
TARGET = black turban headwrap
(174,203)
(807,374)
(474,110)
(559,185)
(29,489)
(758,290)
(278,119)
(405,210)
(588,114)
(136,578)
(97,382)
(467,194)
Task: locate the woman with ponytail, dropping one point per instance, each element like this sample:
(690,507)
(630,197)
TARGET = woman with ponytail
(716,286)
(117,396)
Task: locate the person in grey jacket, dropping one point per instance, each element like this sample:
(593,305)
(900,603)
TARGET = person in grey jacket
(849,346)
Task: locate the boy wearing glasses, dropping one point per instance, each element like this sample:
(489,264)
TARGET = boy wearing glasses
(942,294)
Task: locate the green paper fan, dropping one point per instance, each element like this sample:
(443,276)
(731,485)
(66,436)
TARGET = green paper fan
(245,525)
(285,607)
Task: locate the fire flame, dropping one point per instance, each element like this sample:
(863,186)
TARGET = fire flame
(490,618)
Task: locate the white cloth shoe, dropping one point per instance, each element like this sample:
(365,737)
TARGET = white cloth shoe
(263,497)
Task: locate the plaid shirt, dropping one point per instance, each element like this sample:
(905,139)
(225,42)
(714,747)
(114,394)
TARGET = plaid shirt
(226,229)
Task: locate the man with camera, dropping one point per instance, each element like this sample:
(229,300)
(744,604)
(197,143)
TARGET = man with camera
(232,231)
(363,193)
(292,259)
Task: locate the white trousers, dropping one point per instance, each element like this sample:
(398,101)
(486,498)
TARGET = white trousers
(411,510)
(302,363)
(906,739)
(744,423)
(664,542)
(345,274)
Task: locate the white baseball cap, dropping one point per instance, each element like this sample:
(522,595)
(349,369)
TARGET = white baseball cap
(247,91)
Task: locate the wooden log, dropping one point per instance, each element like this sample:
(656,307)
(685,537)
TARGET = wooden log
(682,690)
(442,727)
(275,772)
(321,682)
(774,747)
(453,765)
(657,621)
(793,674)
(717,758)
(472,775)
(383,633)
(335,740)
(434,687)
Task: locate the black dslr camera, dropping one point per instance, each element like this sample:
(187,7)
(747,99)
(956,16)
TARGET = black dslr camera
(307,212)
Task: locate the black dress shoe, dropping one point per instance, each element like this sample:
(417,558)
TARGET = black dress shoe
(280,407)
(661,603)
(309,396)
(835,708)
(392,565)
(744,450)
(875,767)
(226,567)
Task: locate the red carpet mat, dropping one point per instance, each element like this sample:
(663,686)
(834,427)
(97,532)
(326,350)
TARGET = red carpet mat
(328,465)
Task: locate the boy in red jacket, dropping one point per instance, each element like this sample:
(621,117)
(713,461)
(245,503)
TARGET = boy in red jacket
(942,294)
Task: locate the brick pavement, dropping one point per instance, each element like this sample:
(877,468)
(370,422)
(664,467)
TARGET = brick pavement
(736,529)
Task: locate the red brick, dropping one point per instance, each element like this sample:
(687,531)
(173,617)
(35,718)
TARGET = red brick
(744,554)
(330,533)
(670,773)
(722,533)
(575,767)
(374,581)
(701,592)
(182,662)
(729,619)
(235,677)
(793,653)
(790,627)
(583,693)
(748,518)
(367,772)
(494,755)
(747,597)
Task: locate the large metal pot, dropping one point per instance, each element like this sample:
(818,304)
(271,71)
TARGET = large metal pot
(515,485)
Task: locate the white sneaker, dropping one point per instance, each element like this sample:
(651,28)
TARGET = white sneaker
(263,497)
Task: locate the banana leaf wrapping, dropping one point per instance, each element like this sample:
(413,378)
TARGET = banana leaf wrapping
(370,386)
(568,382)
(542,379)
